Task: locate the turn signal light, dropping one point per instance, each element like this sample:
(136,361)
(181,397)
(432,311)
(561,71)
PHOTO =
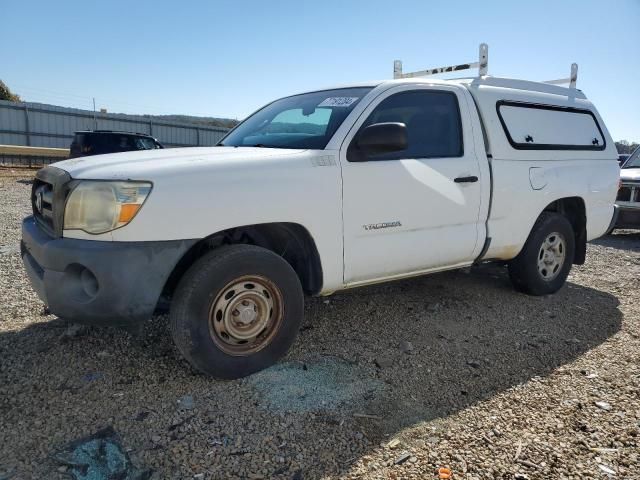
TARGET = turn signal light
(128,211)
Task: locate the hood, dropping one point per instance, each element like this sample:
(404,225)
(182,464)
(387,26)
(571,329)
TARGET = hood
(630,174)
(146,164)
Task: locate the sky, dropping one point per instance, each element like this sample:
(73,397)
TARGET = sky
(228,58)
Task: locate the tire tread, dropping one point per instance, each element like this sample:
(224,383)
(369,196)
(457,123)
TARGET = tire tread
(199,273)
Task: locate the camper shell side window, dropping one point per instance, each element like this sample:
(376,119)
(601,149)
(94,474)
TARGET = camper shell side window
(532,126)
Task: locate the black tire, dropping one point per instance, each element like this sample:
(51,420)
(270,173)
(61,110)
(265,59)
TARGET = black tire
(523,270)
(193,310)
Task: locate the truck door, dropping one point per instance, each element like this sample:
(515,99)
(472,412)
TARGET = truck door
(415,209)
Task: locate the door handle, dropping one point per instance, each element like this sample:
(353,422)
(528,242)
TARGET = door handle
(469,179)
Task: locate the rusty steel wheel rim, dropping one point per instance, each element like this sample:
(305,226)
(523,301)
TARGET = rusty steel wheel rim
(246,315)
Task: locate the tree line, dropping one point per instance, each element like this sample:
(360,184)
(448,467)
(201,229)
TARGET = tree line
(624,146)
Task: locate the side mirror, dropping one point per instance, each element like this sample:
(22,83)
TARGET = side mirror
(383,138)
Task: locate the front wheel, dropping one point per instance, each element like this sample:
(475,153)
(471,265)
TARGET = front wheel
(543,265)
(237,310)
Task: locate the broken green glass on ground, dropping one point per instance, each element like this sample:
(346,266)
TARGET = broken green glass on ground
(99,457)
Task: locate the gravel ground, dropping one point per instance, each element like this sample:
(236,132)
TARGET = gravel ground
(451,370)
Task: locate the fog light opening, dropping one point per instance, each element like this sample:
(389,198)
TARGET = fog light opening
(89,282)
(79,283)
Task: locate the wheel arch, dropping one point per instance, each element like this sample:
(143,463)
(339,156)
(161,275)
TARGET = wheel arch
(574,209)
(291,241)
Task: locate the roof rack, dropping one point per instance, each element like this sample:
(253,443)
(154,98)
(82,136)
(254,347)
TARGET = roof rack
(482,65)
(573,78)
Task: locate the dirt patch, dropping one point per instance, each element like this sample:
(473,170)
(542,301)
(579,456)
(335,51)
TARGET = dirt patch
(319,384)
(13,172)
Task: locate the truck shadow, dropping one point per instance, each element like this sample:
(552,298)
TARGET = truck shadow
(620,240)
(429,347)
(471,336)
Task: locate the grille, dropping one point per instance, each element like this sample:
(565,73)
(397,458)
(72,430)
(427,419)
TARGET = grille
(624,194)
(48,194)
(42,204)
(629,193)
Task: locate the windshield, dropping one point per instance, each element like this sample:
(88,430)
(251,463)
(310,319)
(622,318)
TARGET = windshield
(306,121)
(634,160)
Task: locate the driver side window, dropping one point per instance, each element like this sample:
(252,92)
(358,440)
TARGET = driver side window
(432,118)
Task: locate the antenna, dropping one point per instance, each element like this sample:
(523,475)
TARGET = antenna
(482,65)
(95,120)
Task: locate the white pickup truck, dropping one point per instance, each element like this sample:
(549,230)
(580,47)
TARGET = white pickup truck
(320,192)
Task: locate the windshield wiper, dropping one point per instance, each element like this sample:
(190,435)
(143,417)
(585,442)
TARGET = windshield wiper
(263,145)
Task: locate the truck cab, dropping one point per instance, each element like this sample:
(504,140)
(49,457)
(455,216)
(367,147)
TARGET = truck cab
(320,192)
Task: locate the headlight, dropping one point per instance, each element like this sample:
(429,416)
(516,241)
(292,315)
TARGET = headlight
(99,207)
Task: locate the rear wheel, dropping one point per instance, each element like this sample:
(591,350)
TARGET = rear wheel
(237,310)
(544,263)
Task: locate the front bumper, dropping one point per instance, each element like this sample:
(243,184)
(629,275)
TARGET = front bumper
(628,217)
(97,282)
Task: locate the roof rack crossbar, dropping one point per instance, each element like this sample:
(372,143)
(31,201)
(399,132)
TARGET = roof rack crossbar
(482,65)
(572,80)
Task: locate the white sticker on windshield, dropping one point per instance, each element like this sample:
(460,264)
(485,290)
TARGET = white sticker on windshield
(338,101)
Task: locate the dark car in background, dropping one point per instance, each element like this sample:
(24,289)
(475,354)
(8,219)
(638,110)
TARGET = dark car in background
(98,142)
(628,199)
